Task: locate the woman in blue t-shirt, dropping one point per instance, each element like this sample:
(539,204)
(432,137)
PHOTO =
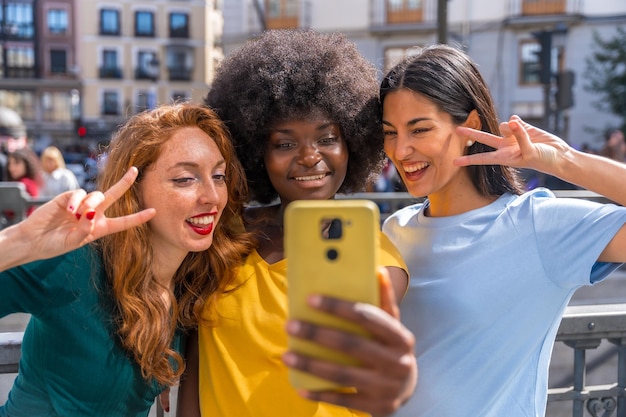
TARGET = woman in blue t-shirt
(109,297)
(492,267)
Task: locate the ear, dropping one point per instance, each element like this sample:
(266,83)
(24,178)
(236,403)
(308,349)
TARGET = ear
(473,121)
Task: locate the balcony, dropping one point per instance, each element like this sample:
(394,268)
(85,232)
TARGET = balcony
(387,20)
(523,12)
(110,72)
(180,74)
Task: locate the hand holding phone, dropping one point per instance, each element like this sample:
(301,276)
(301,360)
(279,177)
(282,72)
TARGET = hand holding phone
(331,248)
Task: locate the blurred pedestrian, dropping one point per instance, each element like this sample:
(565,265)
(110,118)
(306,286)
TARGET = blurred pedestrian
(12,137)
(56,177)
(614,145)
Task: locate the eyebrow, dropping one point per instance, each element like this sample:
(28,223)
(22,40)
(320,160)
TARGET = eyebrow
(410,122)
(323,126)
(190,164)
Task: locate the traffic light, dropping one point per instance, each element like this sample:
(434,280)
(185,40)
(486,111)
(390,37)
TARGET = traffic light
(79,128)
(544,55)
(564,86)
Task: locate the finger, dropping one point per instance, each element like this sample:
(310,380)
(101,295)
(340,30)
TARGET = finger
(479,136)
(118,224)
(164,398)
(482,158)
(119,188)
(376,322)
(521,135)
(73,199)
(388,300)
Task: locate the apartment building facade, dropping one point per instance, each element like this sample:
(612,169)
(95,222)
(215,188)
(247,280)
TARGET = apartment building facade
(500,36)
(77,69)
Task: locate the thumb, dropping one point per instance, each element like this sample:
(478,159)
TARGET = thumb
(388,300)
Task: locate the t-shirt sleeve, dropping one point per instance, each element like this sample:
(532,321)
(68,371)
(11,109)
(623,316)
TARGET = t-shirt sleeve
(389,254)
(571,234)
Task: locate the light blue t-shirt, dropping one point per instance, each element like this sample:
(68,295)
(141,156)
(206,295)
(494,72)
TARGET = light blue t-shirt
(488,290)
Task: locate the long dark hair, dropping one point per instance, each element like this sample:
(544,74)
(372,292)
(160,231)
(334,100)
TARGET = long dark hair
(450,79)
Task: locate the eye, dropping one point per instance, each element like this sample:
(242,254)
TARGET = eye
(183,181)
(389,133)
(219,178)
(419,130)
(329,140)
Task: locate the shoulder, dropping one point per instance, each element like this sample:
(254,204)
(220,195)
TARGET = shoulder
(403,216)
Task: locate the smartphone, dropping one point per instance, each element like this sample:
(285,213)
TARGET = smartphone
(331,247)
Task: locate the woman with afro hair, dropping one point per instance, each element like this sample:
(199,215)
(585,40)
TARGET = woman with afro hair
(304,116)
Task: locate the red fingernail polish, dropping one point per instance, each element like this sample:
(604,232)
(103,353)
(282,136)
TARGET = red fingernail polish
(167,410)
(90,215)
(77,216)
(71,208)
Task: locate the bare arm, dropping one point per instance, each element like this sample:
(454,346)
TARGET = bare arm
(188,402)
(525,146)
(67,222)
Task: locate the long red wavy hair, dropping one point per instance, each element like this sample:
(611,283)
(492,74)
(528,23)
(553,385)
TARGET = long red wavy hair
(146,323)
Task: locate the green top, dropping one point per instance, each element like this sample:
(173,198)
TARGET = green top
(72,363)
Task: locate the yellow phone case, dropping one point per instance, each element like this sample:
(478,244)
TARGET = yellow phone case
(339,260)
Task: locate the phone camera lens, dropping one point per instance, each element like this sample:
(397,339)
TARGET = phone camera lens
(332,254)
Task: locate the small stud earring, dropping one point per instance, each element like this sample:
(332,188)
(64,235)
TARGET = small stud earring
(469,143)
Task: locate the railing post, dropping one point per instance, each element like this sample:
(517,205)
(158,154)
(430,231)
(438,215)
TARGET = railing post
(621,375)
(580,370)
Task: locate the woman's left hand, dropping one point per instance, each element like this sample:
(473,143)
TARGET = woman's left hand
(522,145)
(387,375)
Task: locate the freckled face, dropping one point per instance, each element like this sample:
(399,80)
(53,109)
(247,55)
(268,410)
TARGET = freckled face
(306,159)
(187,187)
(422,143)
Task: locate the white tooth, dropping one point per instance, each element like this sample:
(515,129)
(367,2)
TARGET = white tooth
(310,178)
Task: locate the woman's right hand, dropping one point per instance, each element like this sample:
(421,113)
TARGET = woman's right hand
(67,222)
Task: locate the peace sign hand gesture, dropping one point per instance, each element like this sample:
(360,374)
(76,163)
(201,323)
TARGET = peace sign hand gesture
(522,145)
(67,222)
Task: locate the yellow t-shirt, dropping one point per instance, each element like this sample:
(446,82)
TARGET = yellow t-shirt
(241,372)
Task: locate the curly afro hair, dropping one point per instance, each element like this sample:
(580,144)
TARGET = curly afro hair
(288,74)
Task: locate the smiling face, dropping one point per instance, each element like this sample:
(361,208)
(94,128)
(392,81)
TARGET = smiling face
(422,143)
(306,159)
(186,185)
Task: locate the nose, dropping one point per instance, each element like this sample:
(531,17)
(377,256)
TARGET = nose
(309,156)
(209,194)
(400,148)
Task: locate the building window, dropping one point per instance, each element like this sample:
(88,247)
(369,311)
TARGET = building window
(180,63)
(404,11)
(395,55)
(144,24)
(179,25)
(529,63)
(180,97)
(56,106)
(57,21)
(18,21)
(147,66)
(145,100)
(58,61)
(110,67)
(20,62)
(109,22)
(282,14)
(110,104)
